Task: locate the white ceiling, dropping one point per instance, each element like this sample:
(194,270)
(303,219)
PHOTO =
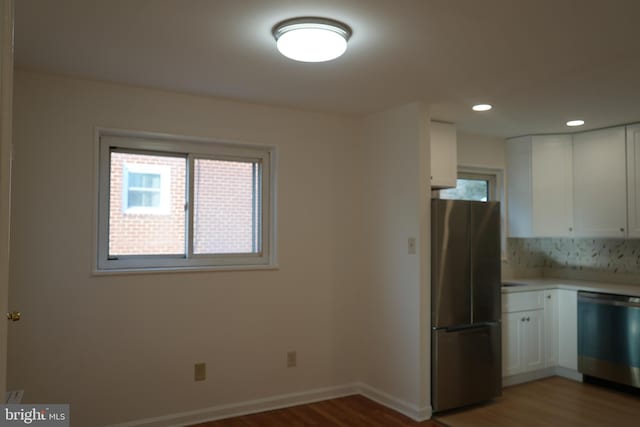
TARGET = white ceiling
(539,62)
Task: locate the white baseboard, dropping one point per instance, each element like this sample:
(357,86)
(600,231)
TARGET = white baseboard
(282,401)
(571,374)
(398,405)
(528,376)
(244,408)
(542,373)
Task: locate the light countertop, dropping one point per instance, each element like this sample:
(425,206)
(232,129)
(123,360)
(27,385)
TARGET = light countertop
(574,285)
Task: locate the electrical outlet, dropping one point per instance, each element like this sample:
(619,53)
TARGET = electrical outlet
(292,359)
(412,245)
(200,372)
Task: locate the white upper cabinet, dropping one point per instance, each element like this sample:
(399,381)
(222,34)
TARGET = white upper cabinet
(599,183)
(518,157)
(444,155)
(633,179)
(540,186)
(552,185)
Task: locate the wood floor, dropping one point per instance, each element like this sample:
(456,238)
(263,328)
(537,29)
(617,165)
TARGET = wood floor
(356,411)
(549,402)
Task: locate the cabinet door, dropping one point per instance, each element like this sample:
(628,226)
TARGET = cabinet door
(518,156)
(444,155)
(511,344)
(552,185)
(551,327)
(532,340)
(633,179)
(599,183)
(568,329)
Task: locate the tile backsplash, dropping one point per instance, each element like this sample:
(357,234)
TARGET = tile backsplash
(612,256)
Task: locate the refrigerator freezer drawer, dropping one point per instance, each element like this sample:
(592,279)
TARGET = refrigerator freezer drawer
(466,366)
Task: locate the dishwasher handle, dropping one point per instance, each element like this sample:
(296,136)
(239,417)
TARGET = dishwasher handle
(608,299)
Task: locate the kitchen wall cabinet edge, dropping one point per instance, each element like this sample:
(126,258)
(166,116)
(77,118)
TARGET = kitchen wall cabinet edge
(540,186)
(600,183)
(444,155)
(633,180)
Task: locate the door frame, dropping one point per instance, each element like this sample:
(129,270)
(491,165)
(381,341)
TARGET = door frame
(6,110)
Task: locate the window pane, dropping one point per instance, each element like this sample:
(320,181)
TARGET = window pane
(226,207)
(144,180)
(144,199)
(138,222)
(468,189)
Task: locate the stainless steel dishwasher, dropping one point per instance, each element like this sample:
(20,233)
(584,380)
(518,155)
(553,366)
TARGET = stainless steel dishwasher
(609,337)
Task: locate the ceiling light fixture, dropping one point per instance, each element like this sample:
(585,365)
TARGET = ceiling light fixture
(575,123)
(482,107)
(311,39)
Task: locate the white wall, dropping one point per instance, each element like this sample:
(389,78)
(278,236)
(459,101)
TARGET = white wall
(122,347)
(480,151)
(395,286)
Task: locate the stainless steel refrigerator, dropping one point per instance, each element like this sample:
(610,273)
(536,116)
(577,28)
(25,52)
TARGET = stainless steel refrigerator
(466,364)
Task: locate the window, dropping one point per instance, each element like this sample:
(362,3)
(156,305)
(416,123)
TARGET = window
(479,184)
(145,185)
(472,186)
(167,204)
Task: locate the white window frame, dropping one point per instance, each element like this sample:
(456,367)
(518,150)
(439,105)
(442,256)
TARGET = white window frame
(191,148)
(496,194)
(485,175)
(164,190)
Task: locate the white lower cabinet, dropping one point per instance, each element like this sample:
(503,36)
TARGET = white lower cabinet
(533,339)
(523,343)
(511,344)
(551,327)
(539,330)
(568,329)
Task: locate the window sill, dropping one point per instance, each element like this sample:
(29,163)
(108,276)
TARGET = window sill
(169,270)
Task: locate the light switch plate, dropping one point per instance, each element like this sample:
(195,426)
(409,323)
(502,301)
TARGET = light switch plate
(292,359)
(200,372)
(412,245)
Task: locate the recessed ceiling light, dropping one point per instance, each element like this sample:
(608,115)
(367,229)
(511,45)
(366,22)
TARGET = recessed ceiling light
(482,107)
(311,39)
(575,122)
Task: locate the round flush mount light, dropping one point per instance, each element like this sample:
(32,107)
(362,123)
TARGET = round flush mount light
(482,107)
(575,123)
(311,39)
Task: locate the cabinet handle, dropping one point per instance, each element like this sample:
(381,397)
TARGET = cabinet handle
(548,296)
(570,228)
(622,229)
(523,319)
(528,319)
